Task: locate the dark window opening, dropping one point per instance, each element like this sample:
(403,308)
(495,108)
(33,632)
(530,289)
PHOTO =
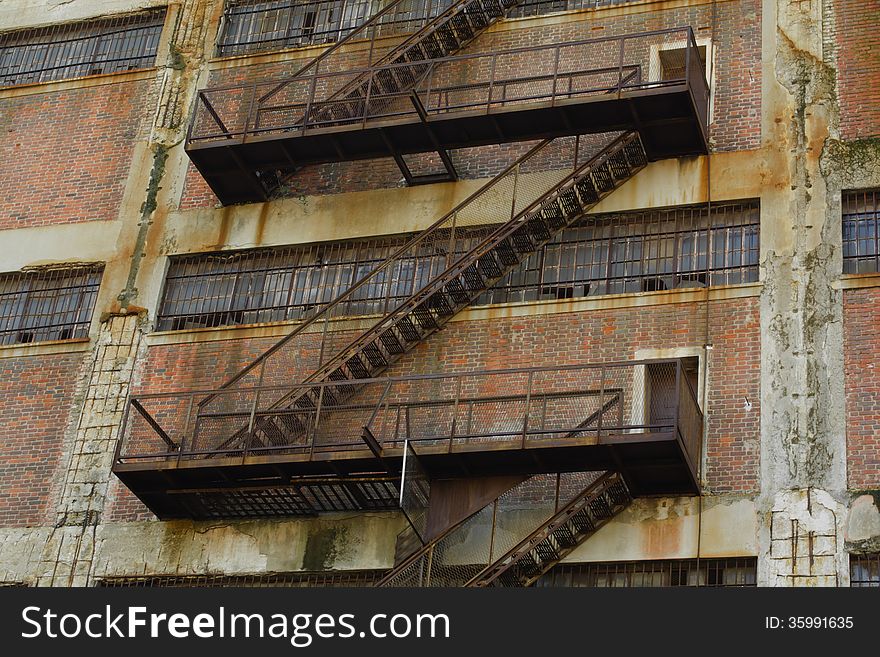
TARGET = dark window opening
(864,570)
(734,572)
(72,50)
(354,578)
(673,63)
(661,393)
(48,304)
(861,231)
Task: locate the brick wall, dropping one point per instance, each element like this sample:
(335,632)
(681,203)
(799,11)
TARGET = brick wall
(736,124)
(36,394)
(861,317)
(65,155)
(858,66)
(565,338)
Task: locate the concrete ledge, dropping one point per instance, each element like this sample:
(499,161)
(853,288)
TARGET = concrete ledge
(47,348)
(86,82)
(495,311)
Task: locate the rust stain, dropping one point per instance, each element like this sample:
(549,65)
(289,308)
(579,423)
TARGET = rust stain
(224,225)
(662,539)
(260,228)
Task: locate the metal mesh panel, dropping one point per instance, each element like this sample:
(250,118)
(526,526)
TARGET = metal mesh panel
(357,578)
(864,570)
(48,303)
(861,231)
(70,50)
(735,572)
(415,492)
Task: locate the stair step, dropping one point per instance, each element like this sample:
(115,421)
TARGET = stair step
(582,521)
(587,189)
(357,368)
(374,355)
(462,26)
(408,330)
(473,279)
(523,241)
(274,435)
(391,342)
(457,292)
(425,317)
(442,304)
(547,551)
(489,266)
(600,508)
(565,537)
(603,179)
(527,565)
(506,253)
(448,38)
(538,228)
(569,202)
(338,375)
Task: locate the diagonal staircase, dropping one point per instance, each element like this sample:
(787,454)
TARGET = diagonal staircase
(400,69)
(458,557)
(427,309)
(551,542)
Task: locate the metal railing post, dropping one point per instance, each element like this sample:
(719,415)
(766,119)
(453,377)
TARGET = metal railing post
(528,408)
(601,403)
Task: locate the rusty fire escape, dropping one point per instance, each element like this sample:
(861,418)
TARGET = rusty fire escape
(344,437)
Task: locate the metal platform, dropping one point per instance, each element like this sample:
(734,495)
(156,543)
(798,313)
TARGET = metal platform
(243,138)
(561,420)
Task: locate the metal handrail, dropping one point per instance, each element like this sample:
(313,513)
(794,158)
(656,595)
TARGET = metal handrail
(358,73)
(137,402)
(410,244)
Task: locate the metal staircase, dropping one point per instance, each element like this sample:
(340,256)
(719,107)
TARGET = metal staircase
(389,73)
(461,555)
(555,539)
(471,270)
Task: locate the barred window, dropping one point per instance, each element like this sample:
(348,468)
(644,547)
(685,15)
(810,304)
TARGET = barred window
(735,572)
(251,26)
(48,304)
(71,50)
(260,25)
(327,579)
(641,251)
(864,570)
(861,231)
(601,254)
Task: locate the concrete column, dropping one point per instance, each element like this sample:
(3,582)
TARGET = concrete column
(803,441)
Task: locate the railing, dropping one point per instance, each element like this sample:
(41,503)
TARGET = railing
(481,82)
(329,328)
(436,414)
(467,548)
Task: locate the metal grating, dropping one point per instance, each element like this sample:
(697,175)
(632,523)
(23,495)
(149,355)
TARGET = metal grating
(861,231)
(864,570)
(734,572)
(48,303)
(352,578)
(601,254)
(72,50)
